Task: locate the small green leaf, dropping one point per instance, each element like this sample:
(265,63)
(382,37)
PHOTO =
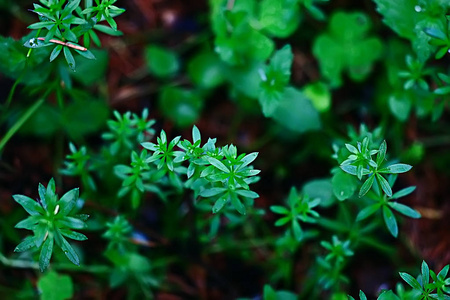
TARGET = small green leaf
(279,209)
(69,58)
(73,235)
(367,211)
(406,210)
(55,52)
(366,186)
(297,230)
(86,54)
(399,168)
(69,252)
(211,192)
(30,206)
(247,194)
(107,30)
(391,222)
(26,244)
(219,165)
(46,254)
(425,273)
(237,204)
(29,223)
(384,185)
(411,281)
(68,201)
(404,192)
(220,203)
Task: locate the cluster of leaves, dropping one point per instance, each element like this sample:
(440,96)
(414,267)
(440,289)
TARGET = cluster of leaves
(253,71)
(59,20)
(422,287)
(426,26)
(51,220)
(219,174)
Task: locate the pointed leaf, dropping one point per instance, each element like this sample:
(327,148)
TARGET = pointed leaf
(46,254)
(384,185)
(391,222)
(404,192)
(26,244)
(399,168)
(367,211)
(411,281)
(366,186)
(406,210)
(68,201)
(32,207)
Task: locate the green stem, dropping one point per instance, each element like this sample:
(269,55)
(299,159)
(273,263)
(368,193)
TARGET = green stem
(30,111)
(24,264)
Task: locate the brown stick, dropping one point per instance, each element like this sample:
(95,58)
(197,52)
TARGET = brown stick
(64,44)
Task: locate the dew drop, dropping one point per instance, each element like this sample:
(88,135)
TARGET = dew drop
(417,8)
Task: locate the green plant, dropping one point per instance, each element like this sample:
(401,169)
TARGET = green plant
(279,193)
(51,220)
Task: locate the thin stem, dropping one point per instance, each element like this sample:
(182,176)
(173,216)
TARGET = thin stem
(30,111)
(25,264)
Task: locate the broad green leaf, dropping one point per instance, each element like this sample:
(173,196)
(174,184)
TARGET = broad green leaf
(406,210)
(322,189)
(319,94)
(280,18)
(31,206)
(161,61)
(391,222)
(181,106)
(206,70)
(46,254)
(344,185)
(55,287)
(296,113)
(399,15)
(345,47)
(400,105)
